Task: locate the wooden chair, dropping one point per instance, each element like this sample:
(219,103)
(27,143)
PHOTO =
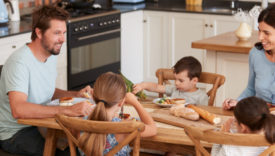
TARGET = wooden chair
(216,80)
(77,124)
(197,134)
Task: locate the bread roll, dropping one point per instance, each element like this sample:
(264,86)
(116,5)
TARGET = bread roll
(66,101)
(212,118)
(182,111)
(179,101)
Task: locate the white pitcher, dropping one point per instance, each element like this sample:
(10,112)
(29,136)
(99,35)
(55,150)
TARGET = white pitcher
(13,9)
(244,31)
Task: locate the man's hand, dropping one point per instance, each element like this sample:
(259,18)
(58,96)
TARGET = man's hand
(83,108)
(86,92)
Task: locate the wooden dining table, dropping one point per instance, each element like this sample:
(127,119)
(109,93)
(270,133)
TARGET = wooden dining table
(168,139)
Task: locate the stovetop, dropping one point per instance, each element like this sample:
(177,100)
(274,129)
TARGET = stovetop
(76,13)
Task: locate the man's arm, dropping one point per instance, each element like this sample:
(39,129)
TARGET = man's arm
(21,108)
(58,93)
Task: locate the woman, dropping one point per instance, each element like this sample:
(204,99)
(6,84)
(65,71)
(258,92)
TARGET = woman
(261,80)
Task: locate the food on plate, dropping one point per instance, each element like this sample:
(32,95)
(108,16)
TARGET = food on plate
(88,101)
(66,101)
(182,111)
(166,100)
(179,101)
(212,118)
(87,95)
(126,116)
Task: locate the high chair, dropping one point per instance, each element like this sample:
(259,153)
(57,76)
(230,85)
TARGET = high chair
(69,124)
(197,134)
(165,74)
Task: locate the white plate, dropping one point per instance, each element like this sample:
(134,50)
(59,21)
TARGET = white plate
(76,100)
(156,101)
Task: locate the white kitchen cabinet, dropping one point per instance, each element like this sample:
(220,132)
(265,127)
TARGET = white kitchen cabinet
(61,80)
(186,28)
(10,44)
(155,43)
(168,37)
(235,68)
(132,45)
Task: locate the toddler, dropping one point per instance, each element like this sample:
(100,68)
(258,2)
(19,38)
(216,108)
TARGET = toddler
(187,72)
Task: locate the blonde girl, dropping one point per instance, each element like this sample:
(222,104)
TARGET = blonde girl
(110,95)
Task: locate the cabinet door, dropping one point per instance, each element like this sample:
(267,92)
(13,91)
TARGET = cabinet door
(221,24)
(185,28)
(61,80)
(155,43)
(10,44)
(132,45)
(235,69)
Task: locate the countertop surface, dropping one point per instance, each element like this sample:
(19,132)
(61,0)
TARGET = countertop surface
(218,7)
(227,42)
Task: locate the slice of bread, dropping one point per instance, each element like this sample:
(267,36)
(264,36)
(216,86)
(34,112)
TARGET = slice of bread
(179,101)
(66,101)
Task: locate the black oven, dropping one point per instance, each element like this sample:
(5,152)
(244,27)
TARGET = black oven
(93,47)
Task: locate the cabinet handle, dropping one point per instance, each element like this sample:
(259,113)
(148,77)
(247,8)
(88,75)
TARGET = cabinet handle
(206,25)
(13,46)
(144,21)
(211,26)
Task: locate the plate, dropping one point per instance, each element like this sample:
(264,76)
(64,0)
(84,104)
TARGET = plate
(156,101)
(76,100)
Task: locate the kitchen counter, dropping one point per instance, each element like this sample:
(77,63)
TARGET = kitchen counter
(219,7)
(227,42)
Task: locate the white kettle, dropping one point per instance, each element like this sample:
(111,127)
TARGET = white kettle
(13,10)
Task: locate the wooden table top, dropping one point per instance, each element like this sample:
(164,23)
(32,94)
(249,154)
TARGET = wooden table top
(227,42)
(164,135)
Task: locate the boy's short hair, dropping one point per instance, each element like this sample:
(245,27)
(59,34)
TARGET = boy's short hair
(190,64)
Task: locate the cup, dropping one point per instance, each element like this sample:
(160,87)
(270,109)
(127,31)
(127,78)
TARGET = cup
(233,126)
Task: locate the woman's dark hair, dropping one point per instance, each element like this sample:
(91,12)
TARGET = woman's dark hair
(267,16)
(42,16)
(254,113)
(190,64)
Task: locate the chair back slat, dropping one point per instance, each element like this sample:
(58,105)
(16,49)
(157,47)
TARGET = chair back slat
(197,134)
(164,74)
(100,126)
(69,124)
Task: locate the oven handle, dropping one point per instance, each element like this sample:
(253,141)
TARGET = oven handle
(98,34)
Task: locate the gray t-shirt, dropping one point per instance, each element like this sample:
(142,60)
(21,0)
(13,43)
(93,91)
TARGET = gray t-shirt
(22,72)
(198,97)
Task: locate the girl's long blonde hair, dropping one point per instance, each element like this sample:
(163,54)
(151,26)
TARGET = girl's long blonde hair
(109,90)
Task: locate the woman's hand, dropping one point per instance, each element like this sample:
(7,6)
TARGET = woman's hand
(86,92)
(229,103)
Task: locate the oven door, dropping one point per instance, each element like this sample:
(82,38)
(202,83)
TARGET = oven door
(90,55)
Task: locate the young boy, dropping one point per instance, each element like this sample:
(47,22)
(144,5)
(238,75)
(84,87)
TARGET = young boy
(187,72)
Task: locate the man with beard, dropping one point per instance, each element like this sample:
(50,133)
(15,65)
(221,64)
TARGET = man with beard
(28,82)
